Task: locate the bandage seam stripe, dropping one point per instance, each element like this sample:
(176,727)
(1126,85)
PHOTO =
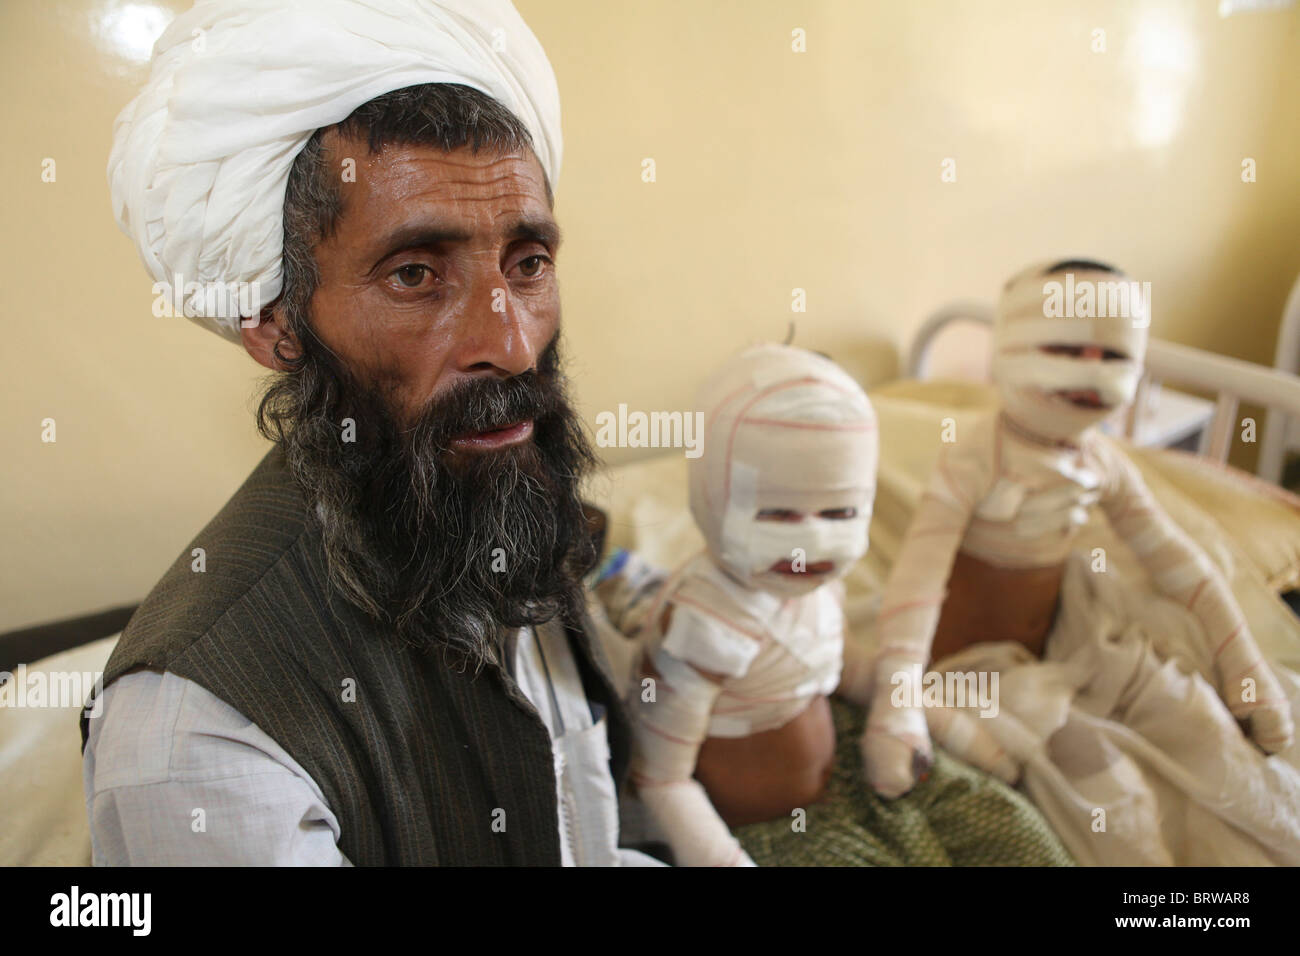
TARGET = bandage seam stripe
(762,393)
(1246,671)
(708,428)
(953,487)
(667,736)
(909,606)
(930,532)
(864,426)
(753,700)
(1229,639)
(708,612)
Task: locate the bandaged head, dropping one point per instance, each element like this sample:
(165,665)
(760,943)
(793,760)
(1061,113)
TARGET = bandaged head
(784,486)
(1069,341)
(201,156)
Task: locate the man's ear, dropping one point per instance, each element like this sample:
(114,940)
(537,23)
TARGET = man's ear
(261,337)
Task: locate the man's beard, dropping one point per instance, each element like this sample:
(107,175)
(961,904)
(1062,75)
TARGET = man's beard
(445,547)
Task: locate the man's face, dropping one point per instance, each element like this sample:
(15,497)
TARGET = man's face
(441,269)
(452,508)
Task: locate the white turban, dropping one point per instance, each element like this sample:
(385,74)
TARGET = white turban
(201,156)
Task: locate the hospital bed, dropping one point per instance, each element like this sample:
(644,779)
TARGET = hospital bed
(1250,526)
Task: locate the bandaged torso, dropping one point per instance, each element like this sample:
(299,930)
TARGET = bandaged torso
(1030,498)
(775,654)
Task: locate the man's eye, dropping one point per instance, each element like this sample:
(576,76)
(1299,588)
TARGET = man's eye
(778,514)
(533,266)
(411,276)
(838,514)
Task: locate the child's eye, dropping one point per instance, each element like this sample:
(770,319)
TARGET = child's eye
(838,514)
(778,514)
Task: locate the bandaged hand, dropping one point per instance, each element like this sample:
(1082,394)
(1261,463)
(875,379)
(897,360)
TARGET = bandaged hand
(683,810)
(954,729)
(895,746)
(1245,682)
(1268,716)
(896,749)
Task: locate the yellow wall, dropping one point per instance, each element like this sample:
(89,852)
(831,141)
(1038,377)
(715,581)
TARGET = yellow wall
(775,170)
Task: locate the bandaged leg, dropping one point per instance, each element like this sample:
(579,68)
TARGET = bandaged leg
(672,719)
(960,733)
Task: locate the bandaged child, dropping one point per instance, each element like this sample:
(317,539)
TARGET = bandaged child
(744,642)
(984,557)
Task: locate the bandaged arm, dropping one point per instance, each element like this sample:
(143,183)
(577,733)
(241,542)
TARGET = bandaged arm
(896,744)
(1183,572)
(672,721)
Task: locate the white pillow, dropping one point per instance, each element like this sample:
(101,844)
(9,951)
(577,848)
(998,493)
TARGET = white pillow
(42,805)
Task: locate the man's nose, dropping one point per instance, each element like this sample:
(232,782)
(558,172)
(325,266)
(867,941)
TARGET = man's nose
(496,337)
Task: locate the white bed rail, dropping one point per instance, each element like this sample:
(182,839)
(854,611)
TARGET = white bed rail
(1281,431)
(968,310)
(1231,380)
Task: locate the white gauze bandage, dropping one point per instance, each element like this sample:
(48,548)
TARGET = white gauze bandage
(1032,381)
(789,433)
(674,711)
(672,720)
(201,156)
(755,546)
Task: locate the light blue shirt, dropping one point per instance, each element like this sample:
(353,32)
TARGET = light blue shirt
(175,776)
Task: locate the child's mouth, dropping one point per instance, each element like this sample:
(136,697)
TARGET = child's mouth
(1083,397)
(805,568)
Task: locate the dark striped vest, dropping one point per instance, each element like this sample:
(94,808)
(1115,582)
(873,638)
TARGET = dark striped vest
(417,760)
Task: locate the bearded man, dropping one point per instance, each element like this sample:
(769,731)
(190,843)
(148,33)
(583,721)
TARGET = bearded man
(383,655)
